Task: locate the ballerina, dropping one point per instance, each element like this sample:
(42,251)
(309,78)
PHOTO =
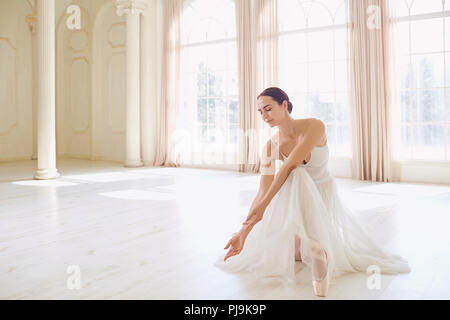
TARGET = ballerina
(297,214)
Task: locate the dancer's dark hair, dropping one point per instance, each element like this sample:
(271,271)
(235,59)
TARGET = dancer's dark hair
(278,95)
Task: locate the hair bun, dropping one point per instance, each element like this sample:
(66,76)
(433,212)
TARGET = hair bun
(290,107)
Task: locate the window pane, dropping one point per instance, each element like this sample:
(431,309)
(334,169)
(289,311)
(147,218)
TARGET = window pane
(216,84)
(447,31)
(426,6)
(232,56)
(203,133)
(429,142)
(201,84)
(217,56)
(343,140)
(447,69)
(321,76)
(318,14)
(341,44)
(322,106)
(295,77)
(232,83)
(402,37)
(197,32)
(320,45)
(331,135)
(341,13)
(341,75)
(233,135)
(448,143)
(233,111)
(189,92)
(298,105)
(201,111)
(428,70)
(401,7)
(293,15)
(431,105)
(216,111)
(206,20)
(411,103)
(447,103)
(342,108)
(407,102)
(211,113)
(404,69)
(422,42)
(293,48)
(406,142)
(193,59)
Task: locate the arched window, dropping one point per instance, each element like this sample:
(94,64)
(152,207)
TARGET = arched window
(209,79)
(313,65)
(423,88)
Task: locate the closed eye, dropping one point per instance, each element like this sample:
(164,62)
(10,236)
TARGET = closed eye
(266,110)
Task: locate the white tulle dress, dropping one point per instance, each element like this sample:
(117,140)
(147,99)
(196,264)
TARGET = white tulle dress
(308,205)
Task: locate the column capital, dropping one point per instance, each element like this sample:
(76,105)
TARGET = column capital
(130,6)
(31,20)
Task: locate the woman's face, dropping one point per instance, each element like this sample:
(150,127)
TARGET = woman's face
(271,111)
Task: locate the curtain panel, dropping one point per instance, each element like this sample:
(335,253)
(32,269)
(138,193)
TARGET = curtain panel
(372,106)
(257,36)
(170,84)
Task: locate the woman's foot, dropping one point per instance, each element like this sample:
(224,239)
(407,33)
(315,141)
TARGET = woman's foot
(298,256)
(320,274)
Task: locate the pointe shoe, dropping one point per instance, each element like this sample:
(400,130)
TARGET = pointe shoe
(321,286)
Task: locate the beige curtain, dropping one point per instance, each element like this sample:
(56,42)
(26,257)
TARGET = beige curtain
(170,77)
(257,38)
(371,98)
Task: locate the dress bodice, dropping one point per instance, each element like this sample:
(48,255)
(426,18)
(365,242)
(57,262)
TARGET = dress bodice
(317,166)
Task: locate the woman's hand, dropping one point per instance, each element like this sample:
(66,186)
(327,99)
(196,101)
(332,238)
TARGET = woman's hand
(236,243)
(255,215)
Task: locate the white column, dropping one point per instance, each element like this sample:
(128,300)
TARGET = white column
(147,118)
(132,9)
(32,23)
(46,137)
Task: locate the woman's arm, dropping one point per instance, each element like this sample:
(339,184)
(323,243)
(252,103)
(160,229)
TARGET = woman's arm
(313,136)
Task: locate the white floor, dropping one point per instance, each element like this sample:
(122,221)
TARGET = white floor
(154,233)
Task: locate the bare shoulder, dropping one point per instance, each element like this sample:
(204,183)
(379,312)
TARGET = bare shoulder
(313,125)
(303,124)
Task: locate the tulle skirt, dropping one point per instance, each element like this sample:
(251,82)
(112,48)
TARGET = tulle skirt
(316,214)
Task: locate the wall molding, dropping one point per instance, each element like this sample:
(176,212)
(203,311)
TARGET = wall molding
(13,124)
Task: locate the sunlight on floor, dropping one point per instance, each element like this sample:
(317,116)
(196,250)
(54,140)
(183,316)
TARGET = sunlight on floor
(45,183)
(133,194)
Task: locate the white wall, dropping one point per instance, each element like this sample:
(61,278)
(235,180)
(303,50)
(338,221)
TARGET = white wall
(90,81)
(91,84)
(15,81)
